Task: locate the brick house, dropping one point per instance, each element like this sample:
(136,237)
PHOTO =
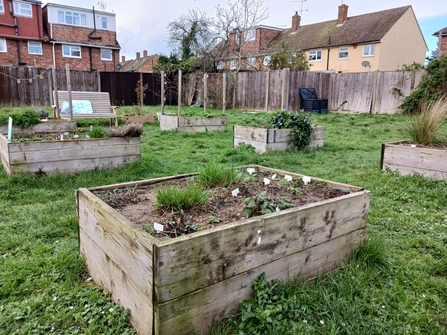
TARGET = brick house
(84,38)
(22,35)
(442,42)
(376,41)
(140,64)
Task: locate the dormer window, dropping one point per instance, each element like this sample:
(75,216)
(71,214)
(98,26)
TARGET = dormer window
(73,18)
(250,35)
(22,9)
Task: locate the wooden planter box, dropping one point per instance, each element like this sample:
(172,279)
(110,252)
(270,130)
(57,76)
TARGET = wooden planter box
(138,118)
(174,286)
(401,156)
(265,140)
(188,124)
(52,125)
(68,155)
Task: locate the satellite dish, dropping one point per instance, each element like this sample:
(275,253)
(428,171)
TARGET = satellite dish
(366,64)
(119,66)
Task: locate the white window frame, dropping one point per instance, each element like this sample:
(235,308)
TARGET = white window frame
(315,55)
(219,65)
(3,46)
(232,64)
(369,50)
(2,7)
(343,52)
(251,62)
(34,48)
(250,35)
(72,49)
(267,60)
(81,19)
(23,9)
(104,22)
(106,51)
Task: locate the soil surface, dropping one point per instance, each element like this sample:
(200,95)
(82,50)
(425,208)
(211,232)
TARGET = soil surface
(139,204)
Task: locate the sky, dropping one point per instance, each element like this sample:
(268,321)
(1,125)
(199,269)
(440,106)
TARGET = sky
(141,25)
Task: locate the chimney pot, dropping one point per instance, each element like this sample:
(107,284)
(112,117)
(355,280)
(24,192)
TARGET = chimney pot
(138,55)
(123,59)
(144,53)
(296,20)
(342,14)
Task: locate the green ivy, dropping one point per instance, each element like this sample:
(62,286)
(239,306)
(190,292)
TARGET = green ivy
(299,122)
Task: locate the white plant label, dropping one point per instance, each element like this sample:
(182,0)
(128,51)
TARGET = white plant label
(250,170)
(9,129)
(287,177)
(306,180)
(274,177)
(235,192)
(277,209)
(158,227)
(259,240)
(413,145)
(266,181)
(259,231)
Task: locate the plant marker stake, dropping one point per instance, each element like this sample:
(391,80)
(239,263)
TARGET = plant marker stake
(287,177)
(306,180)
(266,181)
(274,177)
(235,192)
(9,129)
(250,170)
(158,227)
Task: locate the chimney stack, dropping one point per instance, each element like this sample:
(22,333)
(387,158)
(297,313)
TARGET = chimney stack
(144,53)
(296,20)
(138,55)
(123,59)
(342,14)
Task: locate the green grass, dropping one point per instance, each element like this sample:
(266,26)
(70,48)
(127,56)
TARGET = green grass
(396,284)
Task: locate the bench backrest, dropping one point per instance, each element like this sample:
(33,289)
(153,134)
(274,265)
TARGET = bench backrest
(100,100)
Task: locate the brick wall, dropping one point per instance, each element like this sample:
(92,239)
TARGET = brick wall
(83,63)
(148,66)
(443,46)
(28,27)
(81,35)
(11,57)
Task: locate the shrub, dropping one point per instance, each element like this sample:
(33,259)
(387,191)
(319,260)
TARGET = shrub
(25,118)
(424,128)
(299,122)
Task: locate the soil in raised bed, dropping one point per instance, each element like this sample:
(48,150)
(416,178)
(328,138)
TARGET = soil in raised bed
(138,204)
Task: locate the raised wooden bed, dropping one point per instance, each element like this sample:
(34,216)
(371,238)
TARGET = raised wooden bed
(408,159)
(174,286)
(138,118)
(52,125)
(68,155)
(190,124)
(265,139)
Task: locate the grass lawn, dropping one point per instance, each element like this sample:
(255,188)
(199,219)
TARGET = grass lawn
(395,284)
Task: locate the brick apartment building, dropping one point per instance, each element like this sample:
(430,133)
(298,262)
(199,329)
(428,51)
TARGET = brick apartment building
(56,34)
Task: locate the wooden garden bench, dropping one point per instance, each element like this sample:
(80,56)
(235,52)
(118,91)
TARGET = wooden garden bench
(100,105)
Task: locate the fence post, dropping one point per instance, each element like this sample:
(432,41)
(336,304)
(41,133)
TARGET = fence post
(162,91)
(285,89)
(179,92)
(99,80)
(331,82)
(70,102)
(224,92)
(267,90)
(374,92)
(205,90)
(50,89)
(56,95)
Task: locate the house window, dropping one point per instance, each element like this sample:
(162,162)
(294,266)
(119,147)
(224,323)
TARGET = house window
(71,51)
(251,62)
(232,64)
(314,55)
(267,60)
(34,48)
(250,35)
(72,18)
(106,54)
(343,53)
(23,9)
(2,45)
(368,50)
(2,8)
(104,22)
(220,65)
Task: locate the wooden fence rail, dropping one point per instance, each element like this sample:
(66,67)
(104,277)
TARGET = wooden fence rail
(376,92)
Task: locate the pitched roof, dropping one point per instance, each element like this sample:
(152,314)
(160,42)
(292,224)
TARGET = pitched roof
(443,31)
(358,29)
(134,64)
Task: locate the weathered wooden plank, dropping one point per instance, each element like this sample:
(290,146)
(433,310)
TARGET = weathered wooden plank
(233,249)
(202,121)
(201,307)
(250,133)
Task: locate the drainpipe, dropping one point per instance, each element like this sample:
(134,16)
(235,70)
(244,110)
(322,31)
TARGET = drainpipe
(54,55)
(17,32)
(90,37)
(328,52)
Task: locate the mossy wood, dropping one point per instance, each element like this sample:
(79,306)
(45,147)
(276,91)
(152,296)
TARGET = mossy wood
(174,286)
(52,125)
(402,157)
(265,139)
(68,155)
(192,124)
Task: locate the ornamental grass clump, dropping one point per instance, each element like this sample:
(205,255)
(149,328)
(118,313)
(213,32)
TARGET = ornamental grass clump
(299,122)
(176,198)
(214,174)
(425,127)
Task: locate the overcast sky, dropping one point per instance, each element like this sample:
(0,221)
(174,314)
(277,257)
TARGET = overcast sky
(141,25)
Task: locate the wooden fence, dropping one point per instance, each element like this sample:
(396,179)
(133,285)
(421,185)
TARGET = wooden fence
(376,92)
